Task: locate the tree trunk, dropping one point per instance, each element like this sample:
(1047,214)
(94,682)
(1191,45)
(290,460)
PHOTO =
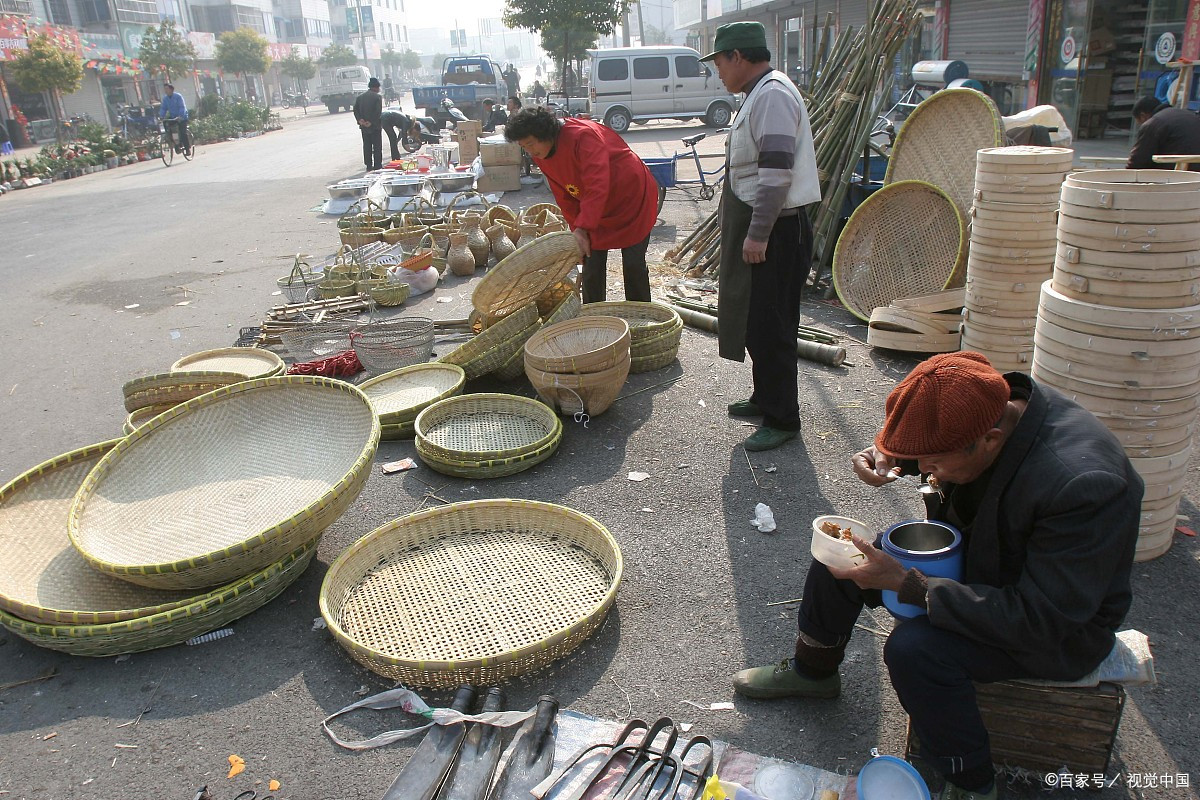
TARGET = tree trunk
(56,113)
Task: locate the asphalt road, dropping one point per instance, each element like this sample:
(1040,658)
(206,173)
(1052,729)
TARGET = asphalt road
(693,607)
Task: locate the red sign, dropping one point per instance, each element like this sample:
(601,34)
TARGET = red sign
(1191,32)
(279,51)
(15,33)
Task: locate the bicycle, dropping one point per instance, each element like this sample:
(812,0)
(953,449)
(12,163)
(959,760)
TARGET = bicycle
(167,143)
(664,171)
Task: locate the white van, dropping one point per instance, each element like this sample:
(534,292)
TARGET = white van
(641,83)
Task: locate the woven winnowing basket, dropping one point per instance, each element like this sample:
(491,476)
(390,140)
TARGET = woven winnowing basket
(475,592)
(201,614)
(905,240)
(50,582)
(169,388)
(522,276)
(223,485)
(494,345)
(247,361)
(400,395)
(939,141)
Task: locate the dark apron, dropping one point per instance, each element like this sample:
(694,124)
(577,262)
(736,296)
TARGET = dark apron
(733,295)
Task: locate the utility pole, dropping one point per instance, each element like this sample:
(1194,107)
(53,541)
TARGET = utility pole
(641,25)
(362,31)
(625,28)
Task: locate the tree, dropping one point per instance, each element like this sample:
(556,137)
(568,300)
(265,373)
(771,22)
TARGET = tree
(166,48)
(299,68)
(656,35)
(568,44)
(410,60)
(46,68)
(587,18)
(338,55)
(243,52)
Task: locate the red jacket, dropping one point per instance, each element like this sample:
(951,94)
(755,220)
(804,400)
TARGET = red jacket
(600,185)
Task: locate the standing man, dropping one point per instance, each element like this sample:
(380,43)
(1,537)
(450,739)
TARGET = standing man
(173,111)
(1163,130)
(766,237)
(368,112)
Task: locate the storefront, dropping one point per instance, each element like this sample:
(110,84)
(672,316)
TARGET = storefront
(36,108)
(989,36)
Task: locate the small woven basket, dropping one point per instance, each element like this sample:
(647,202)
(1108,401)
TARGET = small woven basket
(359,236)
(514,367)
(536,213)
(486,435)
(414,600)
(646,320)
(580,345)
(499,213)
(336,287)
(385,292)
(297,284)
(409,237)
(249,362)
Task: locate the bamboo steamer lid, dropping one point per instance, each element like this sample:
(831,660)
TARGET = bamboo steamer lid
(1025,169)
(1113,332)
(1105,198)
(1030,236)
(1019,206)
(1166,216)
(1179,323)
(1009,226)
(947,300)
(1019,181)
(1016,254)
(1093,295)
(1121,423)
(1165,439)
(1025,154)
(1134,410)
(1074,254)
(1154,541)
(1164,294)
(1123,348)
(1143,273)
(1107,382)
(1135,180)
(903,321)
(1160,511)
(1001,288)
(1034,273)
(989,194)
(996,324)
(1001,307)
(1017,216)
(1001,364)
(1010,342)
(1155,491)
(1163,465)
(1067,360)
(1179,233)
(1068,384)
(913,342)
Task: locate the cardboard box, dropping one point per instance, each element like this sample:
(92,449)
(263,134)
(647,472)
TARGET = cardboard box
(500,155)
(471,126)
(505,178)
(468,146)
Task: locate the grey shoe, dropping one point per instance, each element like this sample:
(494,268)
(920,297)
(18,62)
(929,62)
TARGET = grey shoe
(782,680)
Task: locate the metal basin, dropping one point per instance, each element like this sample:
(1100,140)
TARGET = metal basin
(348,190)
(451,183)
(403,187)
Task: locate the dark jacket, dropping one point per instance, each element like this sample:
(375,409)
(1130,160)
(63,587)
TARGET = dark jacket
(1169,132)
(1050,550)
(368,106)
(496,117)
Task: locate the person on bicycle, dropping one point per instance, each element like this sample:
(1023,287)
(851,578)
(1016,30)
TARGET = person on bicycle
(606,193)
(398,125)
(173,111)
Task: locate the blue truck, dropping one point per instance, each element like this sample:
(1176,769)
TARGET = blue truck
(467,81)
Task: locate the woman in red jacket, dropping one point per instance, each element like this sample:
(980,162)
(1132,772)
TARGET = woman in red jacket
(606,193)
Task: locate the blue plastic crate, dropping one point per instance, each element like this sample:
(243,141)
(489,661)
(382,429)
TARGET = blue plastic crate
(663,170)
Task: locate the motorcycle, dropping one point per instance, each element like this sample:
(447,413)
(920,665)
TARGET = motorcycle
(447,112)
(295,99)
(427,134)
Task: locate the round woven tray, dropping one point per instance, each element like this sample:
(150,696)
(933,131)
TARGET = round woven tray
(939,142)
(474,592)
(172,395)
(50,582)
(521,277)
(584,344)
(646,320)
(653,361)
(248,361)
(223,485)
(211,611)
(137,419)
(400,395)
(174,387)
(906,239)
(494,345)
(479,427)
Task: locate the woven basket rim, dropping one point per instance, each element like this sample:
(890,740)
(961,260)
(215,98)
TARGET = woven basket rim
(163,621)
(525,273)
(601,608)
(88,487)
(662,317)
(404,372)
(864,212)
(514,404)
(620,339)
(493,336)
(268,358)
(176,379)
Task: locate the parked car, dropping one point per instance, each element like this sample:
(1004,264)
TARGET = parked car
(635,84)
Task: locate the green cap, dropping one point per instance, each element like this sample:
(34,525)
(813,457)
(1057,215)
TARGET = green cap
(738,36)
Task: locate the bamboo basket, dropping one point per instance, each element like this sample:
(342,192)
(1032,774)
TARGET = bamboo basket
(494,345)
(522,277)
(646,320)
(409,237)
(499,213)
(486,435)
(400,395)
(249,362)
(297,284)
(142,515)
(397,599)
(137,419)
(535,214)
(360,235)
(588,394)
(514,367)
(580,345)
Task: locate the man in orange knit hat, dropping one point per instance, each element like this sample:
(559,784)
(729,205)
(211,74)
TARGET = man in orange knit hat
(1048,506)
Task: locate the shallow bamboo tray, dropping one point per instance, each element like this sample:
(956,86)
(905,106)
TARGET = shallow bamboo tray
(485,427)
(652,361)
(140,417)
(1131,216)
(50,582)
(225,484)
(492,347)
(522,276)
(906,239)
(171,395)
(1026,156)
(1112,199)
(914,342)
(201,614)
(248,361)
(646,320)
(899,320)
(474,592)
(584,344)
(400,395)
(947,300)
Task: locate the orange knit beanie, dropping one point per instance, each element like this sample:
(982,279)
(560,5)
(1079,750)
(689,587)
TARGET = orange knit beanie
(943,405)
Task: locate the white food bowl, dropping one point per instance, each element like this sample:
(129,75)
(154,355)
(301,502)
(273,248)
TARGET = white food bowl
(837,552)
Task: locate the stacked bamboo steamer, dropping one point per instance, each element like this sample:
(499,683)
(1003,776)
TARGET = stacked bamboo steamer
(1013,230)
(1118,327)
